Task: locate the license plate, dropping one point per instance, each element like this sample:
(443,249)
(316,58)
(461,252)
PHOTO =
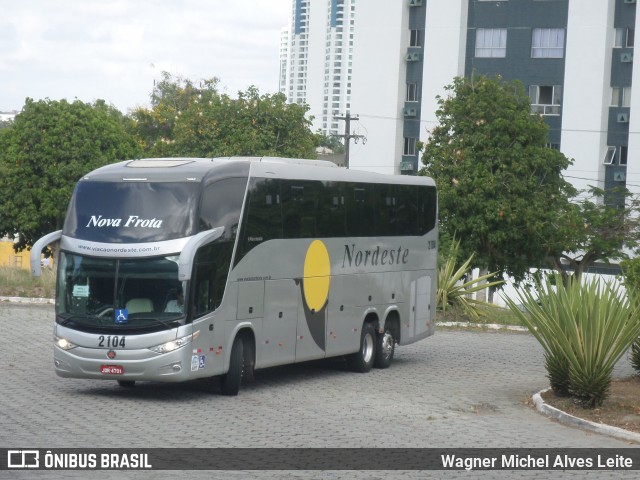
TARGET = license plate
(111,369)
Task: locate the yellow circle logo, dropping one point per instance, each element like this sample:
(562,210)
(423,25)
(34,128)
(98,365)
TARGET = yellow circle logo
(317,275)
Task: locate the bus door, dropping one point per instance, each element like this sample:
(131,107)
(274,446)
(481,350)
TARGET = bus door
(345,319)
(278,342)
(420,302)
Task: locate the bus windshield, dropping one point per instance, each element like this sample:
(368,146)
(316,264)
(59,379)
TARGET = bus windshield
(119,294)
(132,212)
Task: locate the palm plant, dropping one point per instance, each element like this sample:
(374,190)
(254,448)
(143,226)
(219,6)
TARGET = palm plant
(454,290)
(584,329)
(631,278)
(635,356)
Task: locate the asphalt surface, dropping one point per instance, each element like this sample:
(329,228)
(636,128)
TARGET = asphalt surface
(458,388)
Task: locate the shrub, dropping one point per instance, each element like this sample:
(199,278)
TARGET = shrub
(635,356)
(584,329)
(631,273)
(454,290)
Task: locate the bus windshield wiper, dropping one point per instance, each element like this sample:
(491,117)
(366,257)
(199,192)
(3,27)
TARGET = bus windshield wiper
(157,320)
(64,320)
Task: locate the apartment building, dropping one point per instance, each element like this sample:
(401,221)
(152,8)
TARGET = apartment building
(575,58)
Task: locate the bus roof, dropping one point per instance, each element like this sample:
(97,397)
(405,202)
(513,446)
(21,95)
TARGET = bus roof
(199,169)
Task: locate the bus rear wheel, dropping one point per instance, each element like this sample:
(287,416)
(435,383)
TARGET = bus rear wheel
(385,347)
(363,359)
(230,381)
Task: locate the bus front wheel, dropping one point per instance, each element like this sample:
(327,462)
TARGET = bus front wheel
(363,359)
(230,381)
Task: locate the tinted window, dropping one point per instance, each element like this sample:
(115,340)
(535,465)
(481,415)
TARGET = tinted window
(211,268)
(387,203)
(221,205)
(427,209)
(331,212)
(406,212)
(314,209)
(299,204)
(361,209)
(132,212)
(263,216)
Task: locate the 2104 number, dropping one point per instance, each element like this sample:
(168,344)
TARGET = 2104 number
(111,341)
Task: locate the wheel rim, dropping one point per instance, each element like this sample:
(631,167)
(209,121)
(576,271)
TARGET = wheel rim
(367,348)
(387,344)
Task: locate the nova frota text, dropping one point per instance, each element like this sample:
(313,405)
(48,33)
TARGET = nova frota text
(374,257)
(133,221)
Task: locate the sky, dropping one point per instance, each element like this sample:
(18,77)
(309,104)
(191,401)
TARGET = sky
(115,49)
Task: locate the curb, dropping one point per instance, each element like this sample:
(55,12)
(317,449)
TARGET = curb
(31,301)
(570,420)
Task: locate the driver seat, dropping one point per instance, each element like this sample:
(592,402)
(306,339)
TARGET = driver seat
(139,305)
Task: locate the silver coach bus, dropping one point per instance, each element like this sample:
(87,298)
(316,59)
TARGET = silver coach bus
(183,268)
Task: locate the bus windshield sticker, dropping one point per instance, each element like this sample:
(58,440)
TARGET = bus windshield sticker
(81,291)
(121,316)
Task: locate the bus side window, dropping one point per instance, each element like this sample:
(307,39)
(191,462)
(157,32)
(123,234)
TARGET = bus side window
(299,204)
(211,268)
(262,219)
(361,207)
(221,204)
(427,209)
(331,210)
(204,293)
(387,201)
(407,210)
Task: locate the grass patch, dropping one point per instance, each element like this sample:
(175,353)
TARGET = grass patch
(489,315)
(17,282)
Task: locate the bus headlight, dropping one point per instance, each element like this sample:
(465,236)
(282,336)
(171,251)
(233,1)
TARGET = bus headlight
(175,344)
(63,343)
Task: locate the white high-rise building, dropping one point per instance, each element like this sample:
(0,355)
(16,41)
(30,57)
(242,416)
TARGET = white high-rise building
(320,52)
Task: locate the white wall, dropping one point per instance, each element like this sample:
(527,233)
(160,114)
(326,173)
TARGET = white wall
(587,90)
(445,47)
(378,89)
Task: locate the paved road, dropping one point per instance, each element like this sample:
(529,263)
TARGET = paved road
(455,389)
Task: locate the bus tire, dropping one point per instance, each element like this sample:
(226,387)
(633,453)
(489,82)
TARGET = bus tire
(230,381)
(363,359)
(385,348)
(126,383)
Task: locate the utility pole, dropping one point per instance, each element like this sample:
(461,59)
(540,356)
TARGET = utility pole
(347,136)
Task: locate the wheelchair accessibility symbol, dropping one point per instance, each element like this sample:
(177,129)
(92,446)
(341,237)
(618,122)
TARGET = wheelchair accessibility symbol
(122,315)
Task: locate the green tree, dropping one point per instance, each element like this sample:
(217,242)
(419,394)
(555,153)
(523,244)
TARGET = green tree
(186,119)
(500,188)
(331,142)
(47,148)
(4,124)
(597,226)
